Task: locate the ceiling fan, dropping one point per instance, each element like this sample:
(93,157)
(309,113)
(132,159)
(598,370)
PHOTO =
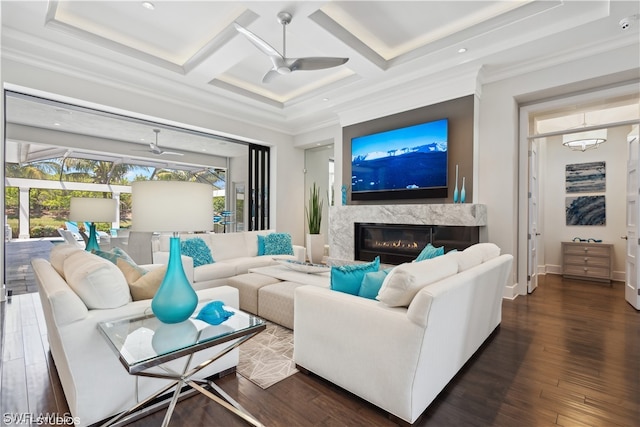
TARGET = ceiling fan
(282,64)
(155,149)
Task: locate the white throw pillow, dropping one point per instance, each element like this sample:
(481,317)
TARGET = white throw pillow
(466,259)
(488,250)
(475,255)
(59,253)
(406,280)
(99,283)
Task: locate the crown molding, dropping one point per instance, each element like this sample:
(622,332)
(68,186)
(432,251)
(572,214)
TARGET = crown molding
(559,58)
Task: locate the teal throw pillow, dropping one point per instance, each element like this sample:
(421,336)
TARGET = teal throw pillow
(116,254)
(429,252)
(348,278)
(260,245)
(371,283)
(197,249)
(278,244)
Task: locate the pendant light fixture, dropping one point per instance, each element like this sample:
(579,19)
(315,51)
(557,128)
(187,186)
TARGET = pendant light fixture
(583,141)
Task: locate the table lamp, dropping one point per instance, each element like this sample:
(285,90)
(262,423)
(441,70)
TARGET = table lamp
(172,206)
(94,210)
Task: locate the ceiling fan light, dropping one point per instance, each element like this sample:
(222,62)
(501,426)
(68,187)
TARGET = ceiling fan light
(583,141)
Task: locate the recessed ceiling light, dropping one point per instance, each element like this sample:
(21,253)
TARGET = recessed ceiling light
(56,124)
(462,50)
(325,99)
(148,5)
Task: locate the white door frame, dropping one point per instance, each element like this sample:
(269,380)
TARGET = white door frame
(526,112)
(632,266)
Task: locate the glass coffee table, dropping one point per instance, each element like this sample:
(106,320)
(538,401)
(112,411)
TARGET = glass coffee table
(143,342)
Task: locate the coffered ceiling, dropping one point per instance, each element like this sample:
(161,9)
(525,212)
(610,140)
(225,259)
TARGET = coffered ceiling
(194,47)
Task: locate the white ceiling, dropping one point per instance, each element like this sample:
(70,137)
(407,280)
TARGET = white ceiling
(194,46)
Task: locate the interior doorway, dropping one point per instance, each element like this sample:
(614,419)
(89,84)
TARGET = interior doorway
(319,169)
(613,109)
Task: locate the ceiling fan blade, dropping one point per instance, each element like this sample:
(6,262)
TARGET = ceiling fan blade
(316,63)
(265,47)
(269,76)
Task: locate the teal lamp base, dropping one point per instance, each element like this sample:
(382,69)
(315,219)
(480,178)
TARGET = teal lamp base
(175,300)
(92,243)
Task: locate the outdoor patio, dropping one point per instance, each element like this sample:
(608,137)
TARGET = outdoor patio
(18,254)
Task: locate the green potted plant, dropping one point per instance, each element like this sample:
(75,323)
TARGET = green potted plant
(315,240)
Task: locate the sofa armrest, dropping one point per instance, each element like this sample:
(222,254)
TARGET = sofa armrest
(162,258)
(348,339)
(59,302)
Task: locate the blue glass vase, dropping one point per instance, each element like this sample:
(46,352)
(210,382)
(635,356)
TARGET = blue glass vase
(92,243)
(463,193)
(175,300)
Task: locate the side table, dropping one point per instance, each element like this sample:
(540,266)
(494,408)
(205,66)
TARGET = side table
(144,342)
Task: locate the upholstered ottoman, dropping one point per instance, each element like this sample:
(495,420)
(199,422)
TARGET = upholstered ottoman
(275,303)
(248,285)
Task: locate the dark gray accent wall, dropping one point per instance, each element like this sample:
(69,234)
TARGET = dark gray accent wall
(460,114)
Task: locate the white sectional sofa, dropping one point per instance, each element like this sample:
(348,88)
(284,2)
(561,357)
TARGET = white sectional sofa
(400,354)
(95,384)
(233,254)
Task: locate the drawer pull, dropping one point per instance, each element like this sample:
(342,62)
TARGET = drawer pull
(586,259)
(585,269)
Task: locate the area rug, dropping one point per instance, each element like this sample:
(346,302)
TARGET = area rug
(267,358)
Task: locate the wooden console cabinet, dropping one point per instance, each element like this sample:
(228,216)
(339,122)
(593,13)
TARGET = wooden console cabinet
(587,261)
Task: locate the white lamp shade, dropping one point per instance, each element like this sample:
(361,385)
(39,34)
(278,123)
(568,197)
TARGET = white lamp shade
(93,209)
(171,206)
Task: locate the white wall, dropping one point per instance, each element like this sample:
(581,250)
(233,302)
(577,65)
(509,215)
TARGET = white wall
(287,193)
(316,165)
(553,194)
(499,177)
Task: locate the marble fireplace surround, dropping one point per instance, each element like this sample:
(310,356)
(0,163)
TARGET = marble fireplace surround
(342,219)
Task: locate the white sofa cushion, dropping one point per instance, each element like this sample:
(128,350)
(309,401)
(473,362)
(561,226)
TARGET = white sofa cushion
(227,245)
(406,280)
(59,253)
(99,283)
(213,271)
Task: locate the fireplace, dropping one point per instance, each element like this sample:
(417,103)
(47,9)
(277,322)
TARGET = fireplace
(398,243)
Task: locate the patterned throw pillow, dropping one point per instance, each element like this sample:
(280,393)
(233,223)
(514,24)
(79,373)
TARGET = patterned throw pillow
(124,262)
(197,249)
(278,244)
(429,252)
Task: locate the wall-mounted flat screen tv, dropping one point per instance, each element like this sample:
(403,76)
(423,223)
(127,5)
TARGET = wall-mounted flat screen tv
(404,163)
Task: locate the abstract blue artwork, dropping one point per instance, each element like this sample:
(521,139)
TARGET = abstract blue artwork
(586,210)
(586,177)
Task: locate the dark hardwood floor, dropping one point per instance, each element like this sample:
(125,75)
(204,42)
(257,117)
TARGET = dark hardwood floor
(569,355)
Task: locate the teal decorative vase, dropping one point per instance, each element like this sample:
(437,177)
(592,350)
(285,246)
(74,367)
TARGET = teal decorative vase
(175,300)
(92,243)
(463,192)
(455,190)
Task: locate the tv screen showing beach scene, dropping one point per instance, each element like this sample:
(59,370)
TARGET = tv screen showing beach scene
(404,159)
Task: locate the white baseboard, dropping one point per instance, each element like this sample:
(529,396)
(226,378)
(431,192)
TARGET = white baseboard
(510,292)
